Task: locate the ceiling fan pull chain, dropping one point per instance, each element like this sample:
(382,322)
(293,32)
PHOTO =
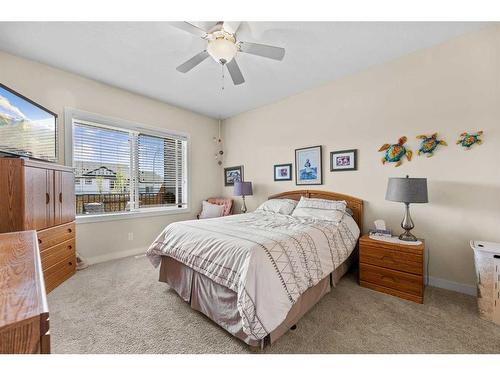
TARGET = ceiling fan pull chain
(219,154)
(222,90)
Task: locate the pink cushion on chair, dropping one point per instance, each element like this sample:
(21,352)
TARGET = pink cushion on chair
(226,202)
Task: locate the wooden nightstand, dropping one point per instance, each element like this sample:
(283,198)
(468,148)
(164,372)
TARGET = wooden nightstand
(392,268)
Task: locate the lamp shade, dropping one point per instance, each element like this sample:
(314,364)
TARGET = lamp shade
(407,190)
(242,188)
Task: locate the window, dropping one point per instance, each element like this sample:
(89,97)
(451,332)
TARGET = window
(160,167)
(129,169)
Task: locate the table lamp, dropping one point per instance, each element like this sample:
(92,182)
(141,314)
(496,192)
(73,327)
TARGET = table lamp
(407,190)
(242,189)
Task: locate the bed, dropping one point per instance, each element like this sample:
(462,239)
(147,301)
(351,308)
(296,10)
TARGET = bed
(257,274)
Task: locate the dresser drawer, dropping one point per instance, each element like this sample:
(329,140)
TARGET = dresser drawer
(390,258)
(404,282)
(55,235)
(58,253)
(59,272)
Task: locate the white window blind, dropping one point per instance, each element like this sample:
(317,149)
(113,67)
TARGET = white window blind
(161,178)
(128,170)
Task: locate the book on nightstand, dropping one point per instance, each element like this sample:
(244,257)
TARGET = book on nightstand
(380,232)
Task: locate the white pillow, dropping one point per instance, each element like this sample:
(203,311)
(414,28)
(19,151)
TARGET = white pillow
(279,206)
(322,209)
(210,210)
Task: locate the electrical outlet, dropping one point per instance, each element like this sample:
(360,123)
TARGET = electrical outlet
(130,236)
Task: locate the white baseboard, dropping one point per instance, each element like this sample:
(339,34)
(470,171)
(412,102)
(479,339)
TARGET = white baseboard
(433,281)
(112,256)
(451,285)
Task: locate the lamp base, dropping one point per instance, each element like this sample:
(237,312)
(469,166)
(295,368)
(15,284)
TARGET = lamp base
(407,225)
(244,206)
(407,236)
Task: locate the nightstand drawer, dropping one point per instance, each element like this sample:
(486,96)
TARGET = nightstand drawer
(393,259)
(403,282)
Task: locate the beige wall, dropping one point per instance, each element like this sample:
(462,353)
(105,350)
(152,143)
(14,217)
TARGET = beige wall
(57,89)
(448,88)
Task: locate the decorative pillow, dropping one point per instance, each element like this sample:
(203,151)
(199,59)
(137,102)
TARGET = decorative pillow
(210,210)
(226,202)
(322,209)
(279,206)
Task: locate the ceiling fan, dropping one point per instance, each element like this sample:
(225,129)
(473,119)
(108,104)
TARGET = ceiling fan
(223,45)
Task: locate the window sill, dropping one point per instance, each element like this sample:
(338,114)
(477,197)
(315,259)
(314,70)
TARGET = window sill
(83,219)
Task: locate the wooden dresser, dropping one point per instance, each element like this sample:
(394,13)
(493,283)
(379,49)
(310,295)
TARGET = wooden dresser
(40,196)
(392,268)
(24,315)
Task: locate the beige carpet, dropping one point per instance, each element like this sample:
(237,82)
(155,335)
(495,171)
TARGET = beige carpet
(120,307)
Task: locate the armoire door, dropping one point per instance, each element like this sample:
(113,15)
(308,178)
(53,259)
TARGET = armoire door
(64,186)
(38,198)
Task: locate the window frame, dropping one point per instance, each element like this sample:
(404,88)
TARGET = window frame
(71,115)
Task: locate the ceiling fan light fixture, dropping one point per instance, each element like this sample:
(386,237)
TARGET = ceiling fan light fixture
(223,46)
(222,50)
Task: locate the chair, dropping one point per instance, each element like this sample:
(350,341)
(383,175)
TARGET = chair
(226,202)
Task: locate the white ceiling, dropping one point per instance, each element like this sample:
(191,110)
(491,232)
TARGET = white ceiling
(142,57)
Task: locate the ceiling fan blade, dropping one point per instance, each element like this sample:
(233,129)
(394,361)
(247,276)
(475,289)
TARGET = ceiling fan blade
(235,72)
(231,27)
(190,28)
(192,62)
(271,52)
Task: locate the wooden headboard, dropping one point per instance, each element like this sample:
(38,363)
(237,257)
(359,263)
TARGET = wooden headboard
(355,204)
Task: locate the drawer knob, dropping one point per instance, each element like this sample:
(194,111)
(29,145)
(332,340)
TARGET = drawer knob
(69,230)
(70,247)
(70,263)
(39,241)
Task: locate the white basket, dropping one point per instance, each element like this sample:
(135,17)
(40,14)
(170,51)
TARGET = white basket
(487,262)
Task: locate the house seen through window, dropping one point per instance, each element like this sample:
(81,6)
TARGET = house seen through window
(126,170)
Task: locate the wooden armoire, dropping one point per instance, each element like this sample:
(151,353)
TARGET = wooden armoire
(41,196)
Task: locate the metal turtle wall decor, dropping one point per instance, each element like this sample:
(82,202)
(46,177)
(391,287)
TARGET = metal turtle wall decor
(429,144)
(467,140)
(395,152)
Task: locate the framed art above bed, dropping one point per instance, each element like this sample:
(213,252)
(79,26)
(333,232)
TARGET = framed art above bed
(308,166)
(345,160)
(283,172)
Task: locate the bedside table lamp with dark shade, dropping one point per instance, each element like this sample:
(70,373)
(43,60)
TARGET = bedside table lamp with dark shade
(407,190)
(242,189)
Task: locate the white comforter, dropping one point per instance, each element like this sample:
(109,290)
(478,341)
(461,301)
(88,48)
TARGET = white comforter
(268,259)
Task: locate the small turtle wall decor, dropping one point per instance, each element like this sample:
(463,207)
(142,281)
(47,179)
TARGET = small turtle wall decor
(466,139)
(429,144)
(395,152)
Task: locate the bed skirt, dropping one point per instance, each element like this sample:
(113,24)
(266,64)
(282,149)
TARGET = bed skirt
(219,303)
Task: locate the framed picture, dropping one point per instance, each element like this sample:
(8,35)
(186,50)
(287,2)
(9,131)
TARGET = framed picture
(232,175)
(345,160)
(308,170)
(283,172)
